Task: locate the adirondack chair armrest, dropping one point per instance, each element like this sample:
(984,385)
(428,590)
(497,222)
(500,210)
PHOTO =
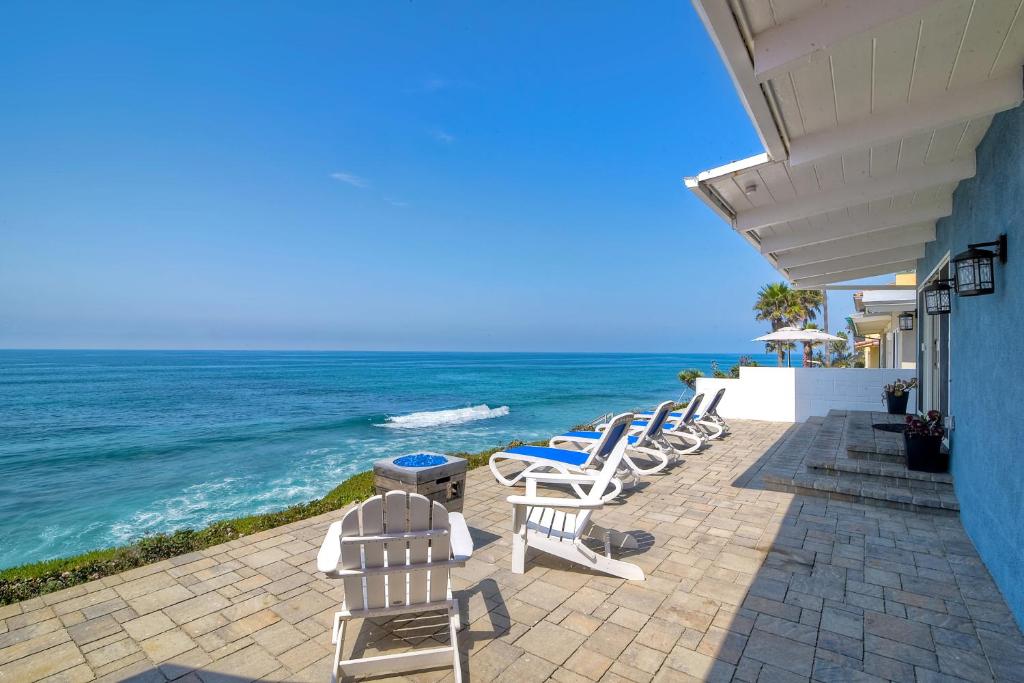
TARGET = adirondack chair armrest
(532,478)
(330,550)
(543,501)
(461,541)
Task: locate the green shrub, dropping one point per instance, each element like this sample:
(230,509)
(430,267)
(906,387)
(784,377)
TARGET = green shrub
(689,377)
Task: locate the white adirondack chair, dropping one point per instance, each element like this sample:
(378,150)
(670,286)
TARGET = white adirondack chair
(558,525)
(394,553)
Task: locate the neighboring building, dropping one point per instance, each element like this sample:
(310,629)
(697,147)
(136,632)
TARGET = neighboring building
(877,320)
(894,138)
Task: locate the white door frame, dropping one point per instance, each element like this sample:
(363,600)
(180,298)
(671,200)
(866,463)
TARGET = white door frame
(927,393)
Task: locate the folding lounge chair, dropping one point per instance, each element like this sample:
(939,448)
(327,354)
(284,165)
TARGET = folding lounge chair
(646,441)
(709,419)
(394,553)
(682,427)
(565,461)
(557,526)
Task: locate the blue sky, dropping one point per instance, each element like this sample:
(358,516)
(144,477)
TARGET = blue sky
(404,175)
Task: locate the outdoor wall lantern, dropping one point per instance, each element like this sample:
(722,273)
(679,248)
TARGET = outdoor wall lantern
(936,297)
(906,321)
(974,268)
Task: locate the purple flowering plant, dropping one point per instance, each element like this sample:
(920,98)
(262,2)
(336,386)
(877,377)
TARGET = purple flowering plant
(929,425)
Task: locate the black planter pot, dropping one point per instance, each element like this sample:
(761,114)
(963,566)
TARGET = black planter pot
(897,405)
(924,454)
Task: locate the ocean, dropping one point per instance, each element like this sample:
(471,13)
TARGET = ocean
(99,448)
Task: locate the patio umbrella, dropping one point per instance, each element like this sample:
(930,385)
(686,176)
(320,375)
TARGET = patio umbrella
(794,334)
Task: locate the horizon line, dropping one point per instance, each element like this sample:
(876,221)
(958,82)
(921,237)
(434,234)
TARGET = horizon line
(282,350)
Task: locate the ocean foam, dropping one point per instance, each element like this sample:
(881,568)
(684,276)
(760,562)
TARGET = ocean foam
(443,418)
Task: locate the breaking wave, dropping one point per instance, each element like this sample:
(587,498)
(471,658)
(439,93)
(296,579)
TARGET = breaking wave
(440,418)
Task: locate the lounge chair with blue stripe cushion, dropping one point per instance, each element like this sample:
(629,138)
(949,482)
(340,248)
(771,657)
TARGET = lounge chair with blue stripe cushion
(709,419)
(646,442)
(681,430)
(559,525)
(564,460)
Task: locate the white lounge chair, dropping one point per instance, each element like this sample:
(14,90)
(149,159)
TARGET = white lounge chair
(557,526)
(684,434)
(565,460)
(394,553)
(646,441)
(709,419)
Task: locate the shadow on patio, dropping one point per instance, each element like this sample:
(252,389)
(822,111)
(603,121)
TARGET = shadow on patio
(849,591)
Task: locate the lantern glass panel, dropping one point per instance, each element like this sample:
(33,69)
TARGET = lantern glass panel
(985,273)
(936,299)
(965,275)
(974,272)
(944,300)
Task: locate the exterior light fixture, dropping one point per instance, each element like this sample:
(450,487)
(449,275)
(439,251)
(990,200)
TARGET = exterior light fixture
(936,297)
(975,268)
(906,321)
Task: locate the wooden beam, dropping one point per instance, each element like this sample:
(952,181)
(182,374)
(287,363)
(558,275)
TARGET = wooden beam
(788,46)
(849,226)
(818,281)
(882,240)
(961,104)
(838,265)
(725,33)
(851,194)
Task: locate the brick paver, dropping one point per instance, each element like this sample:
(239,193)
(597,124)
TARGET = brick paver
(742,584)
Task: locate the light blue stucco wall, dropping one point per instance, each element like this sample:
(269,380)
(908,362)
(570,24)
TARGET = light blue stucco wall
(987,358)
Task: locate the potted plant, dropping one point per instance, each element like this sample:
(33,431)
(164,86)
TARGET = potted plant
(895,395)
(923,440)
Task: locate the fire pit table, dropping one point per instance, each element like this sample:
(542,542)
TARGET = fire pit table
(436,476)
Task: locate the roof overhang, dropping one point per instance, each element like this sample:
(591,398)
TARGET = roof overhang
(869,113)
(864,324)
(886,302)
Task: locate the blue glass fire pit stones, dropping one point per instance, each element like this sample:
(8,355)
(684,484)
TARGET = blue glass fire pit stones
(420,460)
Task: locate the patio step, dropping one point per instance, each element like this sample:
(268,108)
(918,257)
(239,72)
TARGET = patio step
(881,473)
(876,453)
(866,491)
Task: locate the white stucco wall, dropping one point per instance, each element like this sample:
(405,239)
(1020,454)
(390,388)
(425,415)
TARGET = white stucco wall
(794,394)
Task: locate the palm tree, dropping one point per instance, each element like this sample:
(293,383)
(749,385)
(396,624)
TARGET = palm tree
(839,348)
(776,304)
(808,302)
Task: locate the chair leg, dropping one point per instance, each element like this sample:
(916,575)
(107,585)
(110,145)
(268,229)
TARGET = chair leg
(620,568)
(453,630)
(519,519)
(339,638)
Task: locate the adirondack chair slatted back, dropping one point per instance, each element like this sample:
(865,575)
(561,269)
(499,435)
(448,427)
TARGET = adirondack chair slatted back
(389,519)
(691,409)
(439,552)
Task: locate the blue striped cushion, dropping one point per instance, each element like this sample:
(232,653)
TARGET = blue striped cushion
(576,458)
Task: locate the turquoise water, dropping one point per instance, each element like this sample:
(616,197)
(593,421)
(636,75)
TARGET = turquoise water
(102,447)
